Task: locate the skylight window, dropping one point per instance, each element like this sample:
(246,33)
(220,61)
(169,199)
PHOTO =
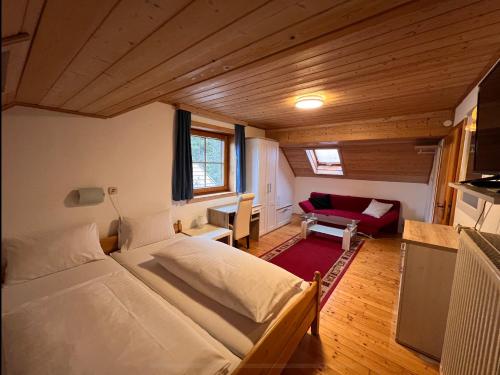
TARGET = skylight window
(325,161)
(327,156)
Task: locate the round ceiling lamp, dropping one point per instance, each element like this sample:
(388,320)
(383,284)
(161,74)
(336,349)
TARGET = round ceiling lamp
(309,102)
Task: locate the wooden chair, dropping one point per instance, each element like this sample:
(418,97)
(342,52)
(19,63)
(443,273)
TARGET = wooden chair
(241,223)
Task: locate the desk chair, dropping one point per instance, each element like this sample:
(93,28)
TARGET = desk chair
(241,223)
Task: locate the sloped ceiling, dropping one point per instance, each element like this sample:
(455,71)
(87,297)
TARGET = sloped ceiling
(249,59)
(372,161)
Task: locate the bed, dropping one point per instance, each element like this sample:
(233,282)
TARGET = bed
(121,326)
(126,319)
(262,348)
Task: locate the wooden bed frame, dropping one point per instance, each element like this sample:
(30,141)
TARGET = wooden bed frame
(273,351)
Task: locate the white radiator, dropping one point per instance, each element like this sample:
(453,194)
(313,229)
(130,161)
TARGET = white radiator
(472,338)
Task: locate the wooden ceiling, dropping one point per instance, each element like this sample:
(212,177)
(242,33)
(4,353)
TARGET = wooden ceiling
(248,59)
(372,161)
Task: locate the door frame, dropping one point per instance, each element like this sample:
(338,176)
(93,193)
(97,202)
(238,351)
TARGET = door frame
(449,171)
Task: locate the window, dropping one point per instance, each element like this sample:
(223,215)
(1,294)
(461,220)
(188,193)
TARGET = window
(325,161)
(210,162)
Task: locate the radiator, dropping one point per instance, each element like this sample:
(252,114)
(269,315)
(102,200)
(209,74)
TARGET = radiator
(472,337)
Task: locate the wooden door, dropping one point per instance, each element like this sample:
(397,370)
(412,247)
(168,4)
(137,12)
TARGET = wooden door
(449,171)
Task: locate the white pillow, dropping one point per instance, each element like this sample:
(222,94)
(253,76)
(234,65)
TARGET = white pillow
(34,256)
(377,209)
(242,282)
(137,232)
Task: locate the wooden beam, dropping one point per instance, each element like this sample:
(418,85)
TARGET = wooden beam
(212,128)
(427,125)
(37,106)
(13,39)
(209,114)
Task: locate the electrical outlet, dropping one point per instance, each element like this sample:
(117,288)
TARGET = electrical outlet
(112,190)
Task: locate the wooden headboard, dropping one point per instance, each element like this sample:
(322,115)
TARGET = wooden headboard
(110,244)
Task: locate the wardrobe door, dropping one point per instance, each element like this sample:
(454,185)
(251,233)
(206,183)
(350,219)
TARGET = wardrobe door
(271,164)
(263,187)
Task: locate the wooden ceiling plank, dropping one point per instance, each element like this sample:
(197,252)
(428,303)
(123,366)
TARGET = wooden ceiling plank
(32,15)
(489,31)
(265,42)
(15,63)
(383,35)
(118,108)
(255,26)
(204,18)
(238,58)
(355,96)
(285,108)
(243,65)
(356,72)
(411,103)
(349,86)
(382,129)
(363,111)
(18,51)
(433,118)
(13,12)
(494,60)
(126,27)
(62,31)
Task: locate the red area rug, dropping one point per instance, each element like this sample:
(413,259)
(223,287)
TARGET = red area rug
(318,252)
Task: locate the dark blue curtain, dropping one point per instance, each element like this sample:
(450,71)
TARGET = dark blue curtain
(182,179)
(239,140)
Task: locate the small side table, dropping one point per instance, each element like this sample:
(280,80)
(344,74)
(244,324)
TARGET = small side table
(211,232)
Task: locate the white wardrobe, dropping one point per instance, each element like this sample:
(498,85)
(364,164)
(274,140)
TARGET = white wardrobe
(262,160)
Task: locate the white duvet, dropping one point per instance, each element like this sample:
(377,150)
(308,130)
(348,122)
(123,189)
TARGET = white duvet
(240,281)
(109,325)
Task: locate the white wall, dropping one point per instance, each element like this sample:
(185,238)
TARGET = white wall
(413,197)
(463,214)
(46,155)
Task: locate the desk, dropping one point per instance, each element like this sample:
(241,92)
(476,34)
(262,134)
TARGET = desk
(222,216)
(212,232)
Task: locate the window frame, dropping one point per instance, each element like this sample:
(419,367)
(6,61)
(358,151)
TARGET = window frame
(322,168)
(225,139)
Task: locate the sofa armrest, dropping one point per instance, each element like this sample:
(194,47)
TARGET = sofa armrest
(390,221)
(306,206)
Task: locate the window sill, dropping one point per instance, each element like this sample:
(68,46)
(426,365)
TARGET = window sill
(211,196)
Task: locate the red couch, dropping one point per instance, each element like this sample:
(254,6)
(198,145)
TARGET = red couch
(352,208)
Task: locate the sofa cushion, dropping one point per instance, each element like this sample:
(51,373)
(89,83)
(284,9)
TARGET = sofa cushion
(348,203)
(377,209)
(320,203)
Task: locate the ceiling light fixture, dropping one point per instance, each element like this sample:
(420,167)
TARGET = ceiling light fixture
(309,102)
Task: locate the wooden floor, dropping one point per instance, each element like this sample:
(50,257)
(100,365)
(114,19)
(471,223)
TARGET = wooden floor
(358,322)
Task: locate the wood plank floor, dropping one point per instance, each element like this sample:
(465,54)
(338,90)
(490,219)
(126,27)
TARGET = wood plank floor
(358,323)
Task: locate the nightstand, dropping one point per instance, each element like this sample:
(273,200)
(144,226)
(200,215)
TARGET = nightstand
(212,232)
